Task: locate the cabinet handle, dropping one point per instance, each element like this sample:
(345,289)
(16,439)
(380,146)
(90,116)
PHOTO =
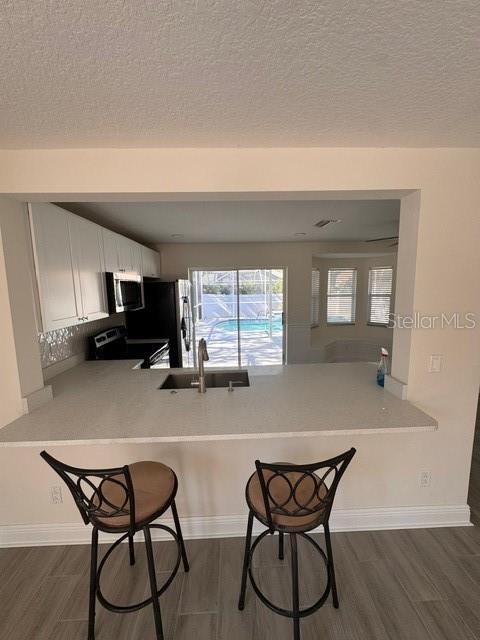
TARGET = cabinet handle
(85,318)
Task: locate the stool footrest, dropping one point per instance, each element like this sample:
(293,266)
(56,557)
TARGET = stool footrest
(302,613)
(138,605)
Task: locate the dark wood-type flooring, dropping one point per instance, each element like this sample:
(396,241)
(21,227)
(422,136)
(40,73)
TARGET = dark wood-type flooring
(419,584)
(400,585)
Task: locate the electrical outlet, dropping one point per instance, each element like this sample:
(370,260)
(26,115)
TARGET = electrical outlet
(56,496)
(425,479)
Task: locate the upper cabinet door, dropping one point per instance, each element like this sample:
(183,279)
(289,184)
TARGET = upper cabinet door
(125,254)
(150,263)
(57,276)
(110,250)
(156,262)
(88,250)
(136,257)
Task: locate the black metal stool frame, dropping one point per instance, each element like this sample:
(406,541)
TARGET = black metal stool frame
(97,506)
(293,507)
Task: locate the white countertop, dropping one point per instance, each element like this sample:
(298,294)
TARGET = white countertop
(109,402)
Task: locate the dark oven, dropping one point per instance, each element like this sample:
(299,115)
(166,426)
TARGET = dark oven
(113,344)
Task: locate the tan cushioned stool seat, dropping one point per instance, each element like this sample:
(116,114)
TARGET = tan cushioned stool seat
(153,485)
(279,490)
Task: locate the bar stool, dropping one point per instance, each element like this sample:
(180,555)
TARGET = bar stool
(124,500)
(293,499)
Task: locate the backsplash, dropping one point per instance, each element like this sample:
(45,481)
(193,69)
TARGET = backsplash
(61,344)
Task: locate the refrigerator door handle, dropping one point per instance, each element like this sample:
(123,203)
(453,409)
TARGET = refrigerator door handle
(185,324)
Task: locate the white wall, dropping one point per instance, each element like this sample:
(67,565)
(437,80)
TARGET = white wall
(212,475)
(20,277)
(445,215)
(296,257)
(410,208)
(361,330)
(10,393)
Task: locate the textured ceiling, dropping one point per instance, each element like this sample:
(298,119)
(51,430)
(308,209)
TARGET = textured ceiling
(223,73)
(265,221)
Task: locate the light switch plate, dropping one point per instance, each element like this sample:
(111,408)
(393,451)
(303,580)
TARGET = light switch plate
(435,365)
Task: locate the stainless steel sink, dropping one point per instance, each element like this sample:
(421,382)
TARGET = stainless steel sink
(213,379)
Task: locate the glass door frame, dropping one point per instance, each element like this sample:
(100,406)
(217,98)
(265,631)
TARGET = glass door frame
(237,279)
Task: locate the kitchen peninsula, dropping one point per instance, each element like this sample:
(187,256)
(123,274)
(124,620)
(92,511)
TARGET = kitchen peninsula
(282,402)
(108,413)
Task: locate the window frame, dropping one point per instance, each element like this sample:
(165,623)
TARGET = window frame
(315,299)
(370,296)
(353,296)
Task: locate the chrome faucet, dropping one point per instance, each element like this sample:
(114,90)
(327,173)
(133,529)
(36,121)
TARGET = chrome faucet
(202,357)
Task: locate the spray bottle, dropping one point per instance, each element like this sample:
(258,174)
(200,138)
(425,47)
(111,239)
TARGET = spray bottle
(382,368)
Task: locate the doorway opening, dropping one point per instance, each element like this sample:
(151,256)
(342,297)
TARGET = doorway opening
(241,315)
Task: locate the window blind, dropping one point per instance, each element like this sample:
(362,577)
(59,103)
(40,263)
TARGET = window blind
(315,309)
(341,296)
(379,295)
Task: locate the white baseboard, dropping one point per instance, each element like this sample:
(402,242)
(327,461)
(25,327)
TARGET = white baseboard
(401,518)
(234,526)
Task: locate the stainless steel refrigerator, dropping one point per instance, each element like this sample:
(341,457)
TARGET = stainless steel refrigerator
(167,315)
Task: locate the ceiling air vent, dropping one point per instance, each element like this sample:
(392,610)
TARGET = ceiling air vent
(323,223)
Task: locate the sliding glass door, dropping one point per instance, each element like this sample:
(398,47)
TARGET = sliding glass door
(260,304)
(240,314)
(215,311)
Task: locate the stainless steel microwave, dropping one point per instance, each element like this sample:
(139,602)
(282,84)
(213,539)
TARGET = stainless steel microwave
(124,291)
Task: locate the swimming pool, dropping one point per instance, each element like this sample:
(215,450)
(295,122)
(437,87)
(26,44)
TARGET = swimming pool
(249,324)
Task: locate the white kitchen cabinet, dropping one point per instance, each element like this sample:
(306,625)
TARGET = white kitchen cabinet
(88,249)
(136,250)
(156,262)
(110,250)
(69,265)
(150,262)
(121,253)
(71,257)
(57,275)
(125,253)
